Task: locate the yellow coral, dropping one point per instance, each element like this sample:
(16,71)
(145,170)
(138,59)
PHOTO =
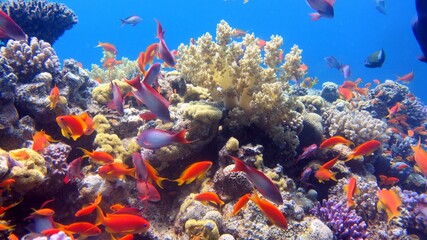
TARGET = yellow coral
(101,123)
(232,144)
(202,229)
(103,94)
(127,69)
(111,143)
(292,66)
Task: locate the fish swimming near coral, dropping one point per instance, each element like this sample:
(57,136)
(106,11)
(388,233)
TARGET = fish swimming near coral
(71,126)
(164,52)
(121,223)
(195,170)
(420,156)
(131,20)
(157,138)
(323,8)
(406,78)
(147,191)
(55,98)
(97,156)
(324,173)
(86,210)
(83,229)
(351,189)
(41,140)
(332,141)
(419,28)
(364,149)
(141,172)
(270,211)
(107,47)
(74,170)
(375,60)
(240,204)
(117,101)
(9,28)
(153,174)
(112,171)
(388,181)
(307,152)
(389,201)
(211,197)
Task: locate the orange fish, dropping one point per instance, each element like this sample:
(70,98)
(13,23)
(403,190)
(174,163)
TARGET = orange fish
(20,154)
(98,156)
(45,212)
(393,110)
(113,171)
(324,173)
(388,181)
(362,91)
(12,237)
(346,93)
(364,149)
(389,201)
(55,98)
(4,209)
(332,141)
(7,183)
(71,126)
(140,61)
(420,156)
(406,78)
(107,47)
(84,229)
(122,223)
(209,197)
(351,189)
(150,53)
(110,63)
(195,170)
(120,209)
(90,208)
(41,140)
(270,211)
(153,174)
(377,81)
(303,68)
(411,133)
(241,203)
(5,227)
(89,123)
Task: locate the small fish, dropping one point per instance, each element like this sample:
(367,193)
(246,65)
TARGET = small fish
(324,173)
(388,181)
(43,212)
(195,170)
(122,223)
(400,166)
(12,237)
(393,110)
(364,149)
(147,192)
(345,69)
(71,126)
(41,140)
(419,28)
(111,63)
(141,172)
(376,59)
(307,152)
(332,141)
(380,6)
(389,201)
(117,101)
(90,208)
(261,182)
(98,156)
(420,156)
(7,183)
(270,211)
(3,209)
(74,170)
(164,52)
(55,98)
(153,74)
(206,197)
(351,189)
(131,20)
(333,62)
(241,203)
(108,47)
(9,29)
(89,123)
(83,229)
(157,138)
(153,174)
(238,33)
(148,116)
(150,52)
(323,8)
(112,171)
(406,78)
(346,93)
(120,209)
(261,43)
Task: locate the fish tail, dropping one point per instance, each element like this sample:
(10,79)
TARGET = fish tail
(350,157)
(179,181)
(159,182)
(238,165)
(131,173)
(99,216)
(351,203)
(86,153)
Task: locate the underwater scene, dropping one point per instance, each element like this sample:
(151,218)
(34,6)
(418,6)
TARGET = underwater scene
(215,119)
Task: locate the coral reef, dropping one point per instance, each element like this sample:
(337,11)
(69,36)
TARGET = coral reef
(41,19)
(127,69)
(330,92)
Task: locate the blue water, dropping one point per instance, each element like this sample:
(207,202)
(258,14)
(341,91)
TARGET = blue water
(357,30)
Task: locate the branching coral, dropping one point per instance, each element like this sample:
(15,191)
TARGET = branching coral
(127,69)
(28,60)
(292,67)
(40,18)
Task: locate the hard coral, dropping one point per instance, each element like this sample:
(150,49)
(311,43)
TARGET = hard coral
(28,60)
(40,18)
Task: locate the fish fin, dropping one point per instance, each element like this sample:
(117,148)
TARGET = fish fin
(350,157)
(65,133)
(333,176)
(179,181)
(315,16)
(239,165)
(99,216)
(357,191)
(351,203)
(159,181)
(331,2)
(111,105)
(86,153)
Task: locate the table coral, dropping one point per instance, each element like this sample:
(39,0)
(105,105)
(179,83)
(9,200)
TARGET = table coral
(40,18)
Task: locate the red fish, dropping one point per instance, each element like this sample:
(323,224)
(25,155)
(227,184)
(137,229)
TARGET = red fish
(155,102)
(241,203)
(113,171)
(420,156)
(351,190)
(89,123)
(206,197)
(406,78)
(261,182)
(366,148)
(389,201)
(9,29)
(332,141)
(270,211)
(388,181)
(195,170)
(346,93)
(157,138)
(84,229)
(110,63)
(238,33)
(122,223)
(150,53)
(74,170)
(90,208)
(7,183)
(98,156)
(164,52)
(147,116)
(324,173)
(147,192)
(55,98)
(393,110)
(41,140)
(71,126)
(3,209)
(107,47)
(141,63)
(117,101)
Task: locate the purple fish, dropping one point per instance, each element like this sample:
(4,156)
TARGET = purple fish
(157,138)
(307,152)
(153,74)
(345,69)
(164,52)
(117,101)
(9,29)
(419,27)
(323,8)
(333,62)
(261,182)
(155,102)
(74,170)
(131,20)
(141,172)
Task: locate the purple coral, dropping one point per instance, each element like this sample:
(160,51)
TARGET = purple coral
(55,156)
(413,203)
(343,221)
